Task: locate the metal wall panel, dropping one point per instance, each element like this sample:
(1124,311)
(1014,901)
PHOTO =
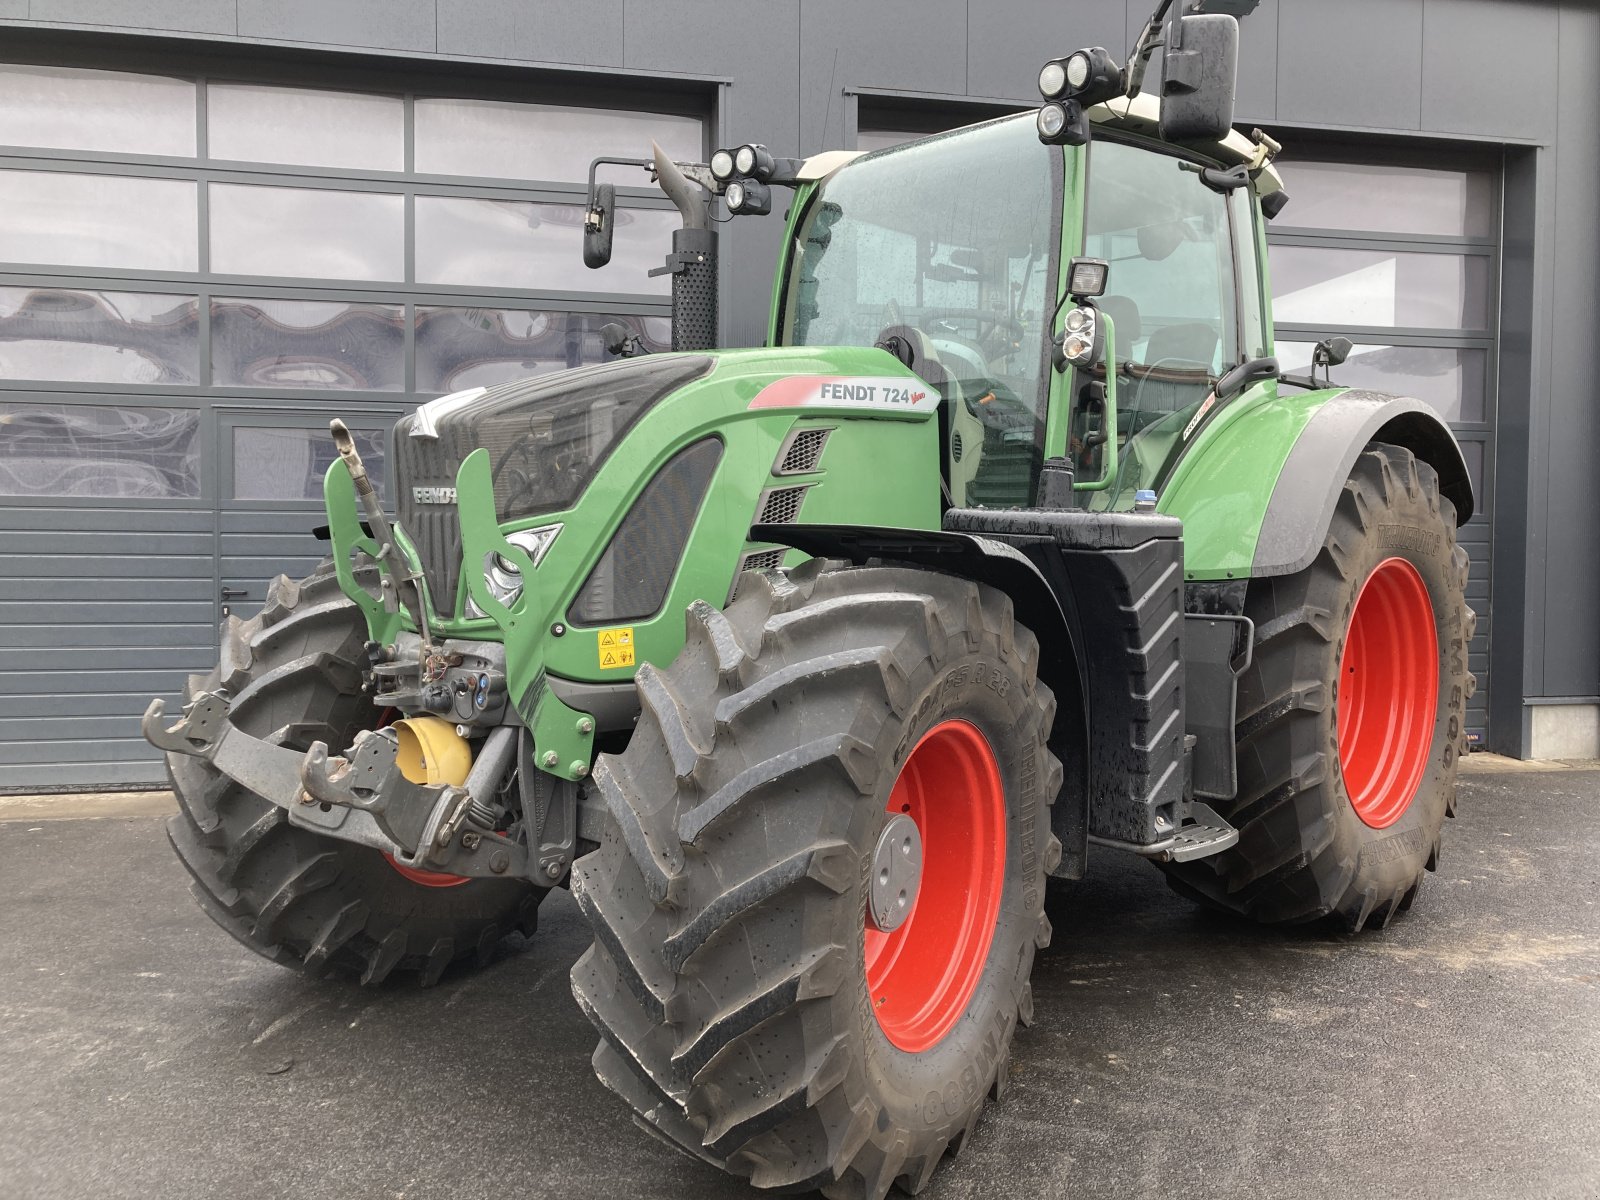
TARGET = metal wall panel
(380,24)
(1569,653)
(1008,41)
(181,16)
(99,611)
(1350,64)
(1467,48)
(564,31)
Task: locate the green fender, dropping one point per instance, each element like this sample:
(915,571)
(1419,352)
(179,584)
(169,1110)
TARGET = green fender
(1257,489)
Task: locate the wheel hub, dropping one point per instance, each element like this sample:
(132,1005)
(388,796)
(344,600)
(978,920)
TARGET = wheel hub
(925,956)
(896,873)
(1388,693)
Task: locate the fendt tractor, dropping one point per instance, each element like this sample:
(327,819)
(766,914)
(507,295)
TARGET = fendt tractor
(806,667)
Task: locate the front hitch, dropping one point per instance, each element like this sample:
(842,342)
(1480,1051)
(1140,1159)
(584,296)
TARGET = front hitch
(361,796)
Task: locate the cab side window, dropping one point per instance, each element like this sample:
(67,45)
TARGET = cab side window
(1171,294)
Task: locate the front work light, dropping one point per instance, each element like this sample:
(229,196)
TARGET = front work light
(748,196)
(754,160)
(1052,120)
(722,165)
(1088,76)
(1063,123)
(1086,278)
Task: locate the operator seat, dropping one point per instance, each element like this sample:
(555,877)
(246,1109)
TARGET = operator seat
(1189,347)
(1124,314)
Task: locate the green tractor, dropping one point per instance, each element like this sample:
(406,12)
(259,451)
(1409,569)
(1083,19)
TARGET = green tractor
(806,667)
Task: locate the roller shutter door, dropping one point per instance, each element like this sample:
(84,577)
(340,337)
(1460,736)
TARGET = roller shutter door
(196,273)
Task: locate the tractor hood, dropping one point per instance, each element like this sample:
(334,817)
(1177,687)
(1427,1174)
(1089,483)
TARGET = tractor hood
(546,437)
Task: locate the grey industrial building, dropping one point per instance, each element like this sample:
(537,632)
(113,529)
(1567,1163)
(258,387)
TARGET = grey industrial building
(223,221)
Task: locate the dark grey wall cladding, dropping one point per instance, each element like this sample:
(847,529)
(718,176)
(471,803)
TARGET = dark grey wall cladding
(99,611)
(1565,467)
(1397,67)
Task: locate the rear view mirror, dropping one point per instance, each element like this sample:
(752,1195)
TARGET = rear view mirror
(1199,69)
(1331,352)
(597,226)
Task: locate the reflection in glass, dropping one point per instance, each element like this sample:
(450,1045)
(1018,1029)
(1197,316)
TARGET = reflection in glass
(461,348)
(1453,381)
(306,128)
(71,108)
(98,221)
(516,244)
(288,464)
(500,140)
(72,336)
(1371,198)
(307,343)
(881,139)
(90,450)
(1316,285)
(306,233)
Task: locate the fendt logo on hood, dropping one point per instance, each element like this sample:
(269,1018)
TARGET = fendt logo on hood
(434,495)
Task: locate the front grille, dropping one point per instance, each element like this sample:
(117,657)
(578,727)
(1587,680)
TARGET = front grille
(433,528)
(781,506)
(631,579)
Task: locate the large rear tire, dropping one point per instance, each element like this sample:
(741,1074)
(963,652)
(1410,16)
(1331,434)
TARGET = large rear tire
(750,1010)
(1352,714)
(307,901)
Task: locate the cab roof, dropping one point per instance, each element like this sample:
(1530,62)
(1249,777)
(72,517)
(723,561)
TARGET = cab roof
(1140,114)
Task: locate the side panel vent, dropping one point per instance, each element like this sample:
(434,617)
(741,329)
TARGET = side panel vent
(801,452)
(756,560)
(631,579)
(780,506)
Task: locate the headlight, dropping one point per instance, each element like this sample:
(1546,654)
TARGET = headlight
(1080,341)
(722,164)
(502,575)
(734,195)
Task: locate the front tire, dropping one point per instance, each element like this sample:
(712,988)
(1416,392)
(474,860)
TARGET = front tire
(1352,715)
(749,1009)
(310,902)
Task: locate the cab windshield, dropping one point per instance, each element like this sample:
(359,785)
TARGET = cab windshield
(948,245)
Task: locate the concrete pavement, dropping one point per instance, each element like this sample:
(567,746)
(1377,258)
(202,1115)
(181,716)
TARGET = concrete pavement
(1175,1053)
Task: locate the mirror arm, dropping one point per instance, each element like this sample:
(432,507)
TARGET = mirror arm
(1242,376)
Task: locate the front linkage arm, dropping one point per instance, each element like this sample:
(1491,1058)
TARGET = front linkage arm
(361,796)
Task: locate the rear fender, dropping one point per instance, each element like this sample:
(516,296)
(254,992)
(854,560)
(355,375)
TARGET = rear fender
(1039,606)
(1257,489)
(1300,511)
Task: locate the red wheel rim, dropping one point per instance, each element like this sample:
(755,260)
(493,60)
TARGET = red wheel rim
(1388,693)
(427,878)
(922,975)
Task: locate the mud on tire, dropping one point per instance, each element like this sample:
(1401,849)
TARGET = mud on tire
(729,893)
(310,902)
(1304,853)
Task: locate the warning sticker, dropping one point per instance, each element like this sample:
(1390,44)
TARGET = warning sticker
(616,647)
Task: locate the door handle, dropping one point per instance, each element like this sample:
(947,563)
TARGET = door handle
(229,593)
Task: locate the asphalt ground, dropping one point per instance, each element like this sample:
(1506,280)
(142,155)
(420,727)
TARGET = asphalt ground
(143,1053)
